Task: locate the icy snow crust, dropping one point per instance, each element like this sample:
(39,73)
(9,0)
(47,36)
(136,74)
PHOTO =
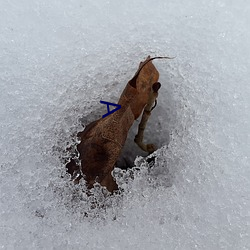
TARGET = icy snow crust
(58,60)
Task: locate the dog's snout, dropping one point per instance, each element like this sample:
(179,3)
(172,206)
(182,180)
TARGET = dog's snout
(156,86)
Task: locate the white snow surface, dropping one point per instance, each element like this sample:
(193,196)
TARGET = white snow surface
(58,59)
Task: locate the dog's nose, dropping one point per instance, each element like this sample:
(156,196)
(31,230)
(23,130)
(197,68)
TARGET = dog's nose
(156,86)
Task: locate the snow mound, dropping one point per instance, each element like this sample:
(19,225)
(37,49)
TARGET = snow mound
(58,61)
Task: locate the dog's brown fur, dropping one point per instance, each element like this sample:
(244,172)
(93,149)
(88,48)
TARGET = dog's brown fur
(102,140)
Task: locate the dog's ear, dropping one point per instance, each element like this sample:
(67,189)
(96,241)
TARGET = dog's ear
(132,82)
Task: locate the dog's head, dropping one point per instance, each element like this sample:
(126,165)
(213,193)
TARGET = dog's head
(145,82)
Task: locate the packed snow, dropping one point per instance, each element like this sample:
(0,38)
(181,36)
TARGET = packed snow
(59,59)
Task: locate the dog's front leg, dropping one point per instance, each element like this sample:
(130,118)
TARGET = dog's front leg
(150,148)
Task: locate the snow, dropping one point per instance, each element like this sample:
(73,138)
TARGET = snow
(58,60)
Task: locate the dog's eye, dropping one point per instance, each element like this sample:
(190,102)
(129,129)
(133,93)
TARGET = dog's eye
(156,86)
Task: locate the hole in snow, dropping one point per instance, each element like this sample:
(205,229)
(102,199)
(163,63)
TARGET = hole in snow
(156,132)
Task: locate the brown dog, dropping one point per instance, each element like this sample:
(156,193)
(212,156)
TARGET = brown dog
(102,140)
